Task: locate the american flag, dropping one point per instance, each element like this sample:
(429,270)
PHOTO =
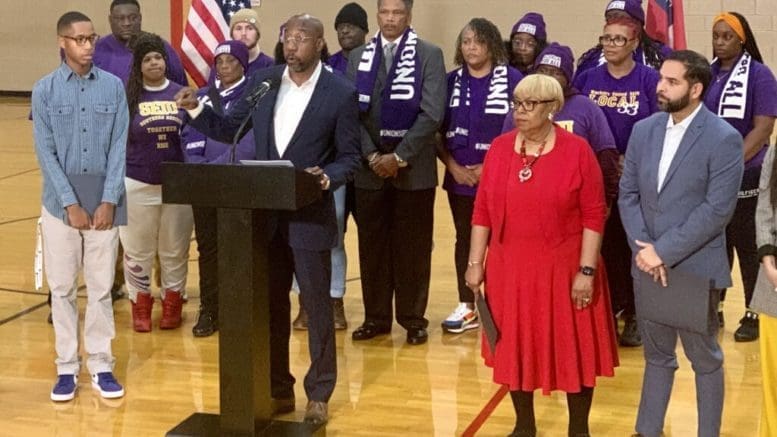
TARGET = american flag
(206,26)
(666,22)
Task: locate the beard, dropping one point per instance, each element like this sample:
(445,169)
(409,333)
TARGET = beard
(675,105)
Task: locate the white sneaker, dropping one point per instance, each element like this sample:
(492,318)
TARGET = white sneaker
(463,318)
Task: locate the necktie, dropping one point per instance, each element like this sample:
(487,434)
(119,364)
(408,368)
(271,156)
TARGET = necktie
(388,55)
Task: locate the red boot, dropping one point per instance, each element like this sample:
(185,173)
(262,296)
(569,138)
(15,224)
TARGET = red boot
(172,305)
(141,312)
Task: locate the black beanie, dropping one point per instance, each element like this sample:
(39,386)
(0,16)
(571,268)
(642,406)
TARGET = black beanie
(144,43)
(354,14)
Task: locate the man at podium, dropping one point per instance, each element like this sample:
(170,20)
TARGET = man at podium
(311,119)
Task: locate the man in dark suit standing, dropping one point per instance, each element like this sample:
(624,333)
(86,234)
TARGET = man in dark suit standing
(678,192)
(401,84)
(311,120)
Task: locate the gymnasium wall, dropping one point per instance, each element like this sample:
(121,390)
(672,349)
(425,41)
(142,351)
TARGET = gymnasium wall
(28,45)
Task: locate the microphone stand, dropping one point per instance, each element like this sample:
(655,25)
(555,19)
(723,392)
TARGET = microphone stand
(254,101)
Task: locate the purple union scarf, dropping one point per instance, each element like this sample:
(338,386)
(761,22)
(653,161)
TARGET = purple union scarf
(485,112)
(401,98)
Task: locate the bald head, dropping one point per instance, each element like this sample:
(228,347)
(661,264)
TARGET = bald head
(307,24)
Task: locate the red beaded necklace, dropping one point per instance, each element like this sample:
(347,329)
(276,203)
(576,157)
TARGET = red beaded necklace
(525,173)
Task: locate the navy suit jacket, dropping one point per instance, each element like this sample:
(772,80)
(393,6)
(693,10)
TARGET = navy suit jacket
(687,218)
(327,136)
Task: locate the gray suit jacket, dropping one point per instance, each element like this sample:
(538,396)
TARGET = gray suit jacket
(764,297)
(686,220)
(418,145)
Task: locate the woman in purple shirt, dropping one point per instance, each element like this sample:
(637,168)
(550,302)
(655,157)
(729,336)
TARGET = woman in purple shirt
(743,93)
(626,91)
(479,94)
(153,228)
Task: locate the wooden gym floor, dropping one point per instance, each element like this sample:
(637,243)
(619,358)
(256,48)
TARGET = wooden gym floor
(385,387)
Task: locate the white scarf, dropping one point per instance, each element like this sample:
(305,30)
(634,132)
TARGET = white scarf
(733,98)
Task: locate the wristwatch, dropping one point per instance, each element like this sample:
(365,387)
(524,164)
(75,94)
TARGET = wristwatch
(587,270)
(400,162)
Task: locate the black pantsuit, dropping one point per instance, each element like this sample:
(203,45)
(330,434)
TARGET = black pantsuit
(461,209)
(314,272)
(740,233)
(395,244)
(205,231)
(617,259)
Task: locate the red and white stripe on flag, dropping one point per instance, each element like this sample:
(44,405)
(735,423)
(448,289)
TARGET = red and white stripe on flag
(665,22)
(205,28)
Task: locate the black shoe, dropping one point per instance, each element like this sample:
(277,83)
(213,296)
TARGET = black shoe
(283,406)
(369,330)
(416,336)
(721,321)
(748,328)
(207,324)
(630,336)
(49,319)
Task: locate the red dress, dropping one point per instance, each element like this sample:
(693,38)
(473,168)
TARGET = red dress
(533,256)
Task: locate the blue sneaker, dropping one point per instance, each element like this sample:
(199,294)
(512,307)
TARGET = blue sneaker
(107,385)
(463,318)
(65,388)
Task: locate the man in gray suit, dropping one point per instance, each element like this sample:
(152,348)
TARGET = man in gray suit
(401,84)
(678,191)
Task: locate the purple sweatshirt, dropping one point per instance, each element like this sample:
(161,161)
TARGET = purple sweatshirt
(154,134)
(203,150)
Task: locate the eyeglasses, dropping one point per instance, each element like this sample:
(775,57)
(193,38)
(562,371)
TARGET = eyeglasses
(81,39)
(529,105)
(297,40)
(617,41)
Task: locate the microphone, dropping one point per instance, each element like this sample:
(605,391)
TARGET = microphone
(253,97)
(257,93)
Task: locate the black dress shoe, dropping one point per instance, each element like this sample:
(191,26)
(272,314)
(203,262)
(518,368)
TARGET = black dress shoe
(283,406)
(207,324)
(417,336)
(369,330)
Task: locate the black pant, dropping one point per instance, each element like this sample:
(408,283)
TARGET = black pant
(461,209)
(617,259)
(395,253)
(205,231)
(740,233)
(313,270)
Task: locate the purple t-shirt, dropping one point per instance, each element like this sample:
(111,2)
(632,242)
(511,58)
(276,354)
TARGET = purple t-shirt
(114,57)
(154,134)
(481,129)
(624,101)
(761,100)
(581,117)
(595,58)
(338,62)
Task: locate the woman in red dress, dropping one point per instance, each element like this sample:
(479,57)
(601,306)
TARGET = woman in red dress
(536,232)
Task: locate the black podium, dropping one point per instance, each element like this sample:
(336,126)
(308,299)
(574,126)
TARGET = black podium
(245,197)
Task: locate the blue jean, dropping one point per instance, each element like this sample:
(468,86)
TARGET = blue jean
(339,258)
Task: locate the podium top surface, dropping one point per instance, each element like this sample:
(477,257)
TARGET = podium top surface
(238,186)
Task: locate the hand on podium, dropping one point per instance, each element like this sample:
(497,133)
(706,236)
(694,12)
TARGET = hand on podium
(323,179)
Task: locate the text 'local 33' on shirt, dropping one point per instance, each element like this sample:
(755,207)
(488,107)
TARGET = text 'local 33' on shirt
(625,100)
(155,134)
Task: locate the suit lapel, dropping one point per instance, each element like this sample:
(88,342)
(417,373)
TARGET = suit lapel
(658,133)
(687,143)
(319,96)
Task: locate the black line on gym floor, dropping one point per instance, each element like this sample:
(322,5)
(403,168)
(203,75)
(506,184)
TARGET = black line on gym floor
(18,220)
(22,313)
(2,178)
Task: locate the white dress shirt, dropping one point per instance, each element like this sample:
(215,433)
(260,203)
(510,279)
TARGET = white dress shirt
(291,103)
(674,136)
